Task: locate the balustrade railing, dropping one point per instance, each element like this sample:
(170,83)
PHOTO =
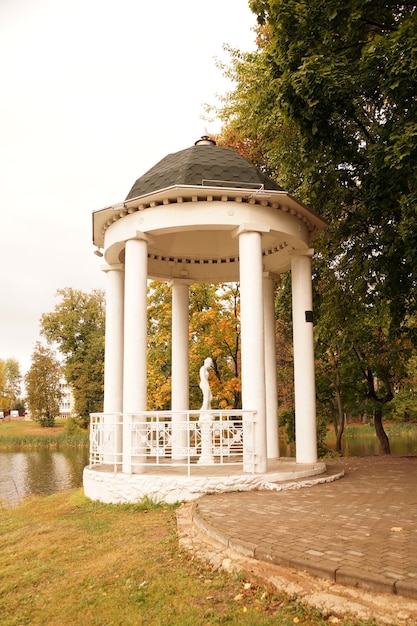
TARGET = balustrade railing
(106,439)
(131,441)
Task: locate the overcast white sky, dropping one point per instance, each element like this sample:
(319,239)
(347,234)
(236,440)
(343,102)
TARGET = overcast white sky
(93,94)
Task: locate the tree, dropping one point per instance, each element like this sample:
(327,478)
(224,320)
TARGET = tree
(10,383)
(336,379)
(403,406)
(341,81)
(43,385)
(382,360)
(3,399)
(361,352)
(252,122)
(214,332)
(76,327)
(345,75)
(159,345)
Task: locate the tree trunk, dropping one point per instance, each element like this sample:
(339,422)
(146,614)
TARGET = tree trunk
(380,432)
(341,420)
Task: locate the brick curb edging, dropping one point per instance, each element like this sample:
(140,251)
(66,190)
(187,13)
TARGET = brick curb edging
(325,569)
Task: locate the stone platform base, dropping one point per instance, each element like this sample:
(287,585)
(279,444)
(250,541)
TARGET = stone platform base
(165,483)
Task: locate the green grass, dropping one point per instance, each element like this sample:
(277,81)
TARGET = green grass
(26,434)
(67,560)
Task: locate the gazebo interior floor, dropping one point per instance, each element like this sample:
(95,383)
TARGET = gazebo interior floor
(279,470)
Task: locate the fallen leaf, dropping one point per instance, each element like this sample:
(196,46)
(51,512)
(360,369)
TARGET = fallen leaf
(238,597)
(247,586)
(396,529)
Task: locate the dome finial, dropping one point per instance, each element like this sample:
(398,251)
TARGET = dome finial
(205,140)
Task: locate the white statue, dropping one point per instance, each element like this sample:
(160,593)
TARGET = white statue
(206,418)
(205,385)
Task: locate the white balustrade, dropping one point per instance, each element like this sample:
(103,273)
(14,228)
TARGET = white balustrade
(222,437)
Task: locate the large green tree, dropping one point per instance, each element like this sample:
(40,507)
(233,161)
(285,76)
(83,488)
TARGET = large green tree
(345,75)
(327,104)
(43,385)
(76,327)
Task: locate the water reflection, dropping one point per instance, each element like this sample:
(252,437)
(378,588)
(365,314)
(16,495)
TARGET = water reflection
(39,472)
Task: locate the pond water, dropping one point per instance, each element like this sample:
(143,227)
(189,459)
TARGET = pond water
(40,472)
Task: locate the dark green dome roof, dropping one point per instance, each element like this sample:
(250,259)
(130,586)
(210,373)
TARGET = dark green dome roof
(205,163)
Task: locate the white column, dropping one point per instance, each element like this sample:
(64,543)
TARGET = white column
(304,377)
(113,359)
(179,364)
(135,338)
(252,337)
(272,433)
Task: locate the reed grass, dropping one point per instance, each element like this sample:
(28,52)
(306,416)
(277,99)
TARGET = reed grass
(30,435)
(392,429)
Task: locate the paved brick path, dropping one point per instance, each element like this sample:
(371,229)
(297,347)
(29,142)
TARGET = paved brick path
(360,530)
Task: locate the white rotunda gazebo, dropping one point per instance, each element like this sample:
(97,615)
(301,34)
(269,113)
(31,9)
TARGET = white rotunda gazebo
(204,214)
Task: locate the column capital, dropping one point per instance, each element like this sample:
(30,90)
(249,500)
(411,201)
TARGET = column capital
(140,236)
(180,281)
(301,252)
(271,275)
(118,267)
(250,228)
